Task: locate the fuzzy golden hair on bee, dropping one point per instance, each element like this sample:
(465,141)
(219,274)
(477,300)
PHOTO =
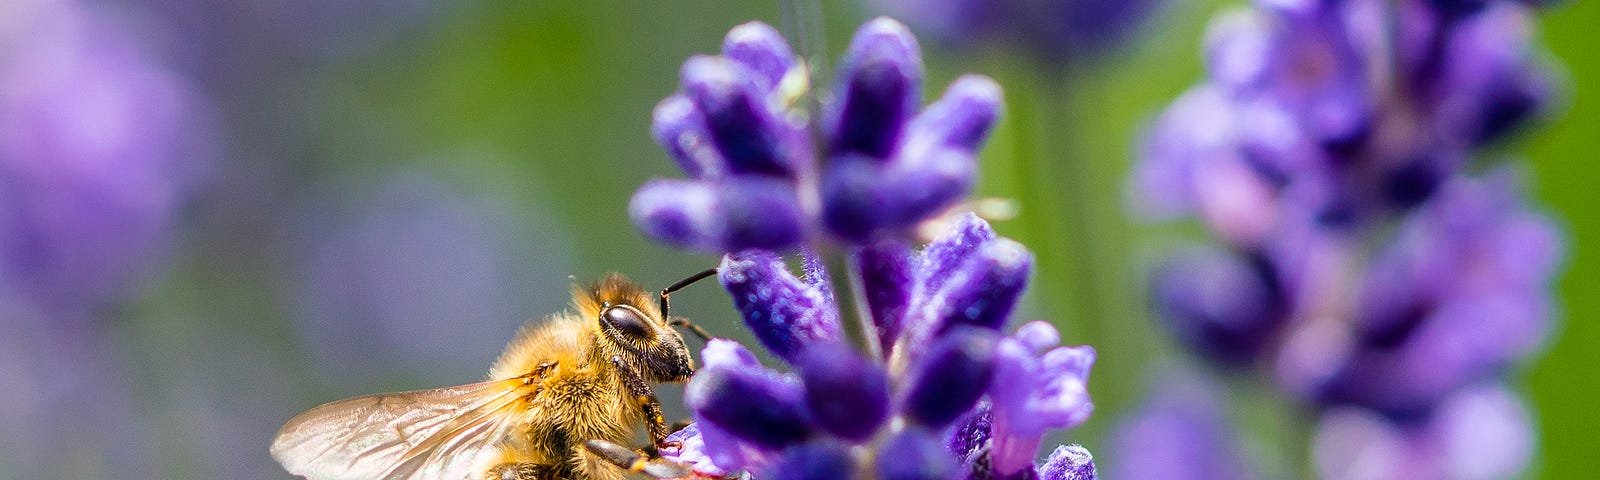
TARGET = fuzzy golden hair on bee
(614,289)
(576,383)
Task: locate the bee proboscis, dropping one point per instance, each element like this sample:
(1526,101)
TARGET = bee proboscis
(561,400)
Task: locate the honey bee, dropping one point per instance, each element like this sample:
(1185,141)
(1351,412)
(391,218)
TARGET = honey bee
(558,405)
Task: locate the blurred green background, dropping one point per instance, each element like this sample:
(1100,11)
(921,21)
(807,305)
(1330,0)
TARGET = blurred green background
(489,149)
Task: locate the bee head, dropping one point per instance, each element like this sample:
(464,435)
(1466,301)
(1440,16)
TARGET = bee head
(630,325)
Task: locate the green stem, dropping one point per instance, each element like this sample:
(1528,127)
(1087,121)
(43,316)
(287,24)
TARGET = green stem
(854,317)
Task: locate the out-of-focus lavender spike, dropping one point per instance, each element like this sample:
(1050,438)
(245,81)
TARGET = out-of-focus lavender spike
(914,453)
(1051,32)
(1180,432)
(1220,304)
(679,128)
(750,402)
(1239,47)
(1068,462)
(950,379)
(736,112)
(783,312)
(847,395)
(885,272)
(760,48)
(880,86)
(1483,432)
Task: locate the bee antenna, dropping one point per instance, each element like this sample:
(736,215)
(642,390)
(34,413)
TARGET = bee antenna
(666,305)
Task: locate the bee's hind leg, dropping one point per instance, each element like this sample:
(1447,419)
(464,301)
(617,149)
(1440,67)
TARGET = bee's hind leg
(635,461)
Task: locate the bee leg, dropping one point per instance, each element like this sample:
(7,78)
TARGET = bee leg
(646,396)
(521,471)
(695,329)
(635,461)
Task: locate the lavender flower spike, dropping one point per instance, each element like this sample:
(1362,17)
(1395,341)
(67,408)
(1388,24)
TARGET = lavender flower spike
(736,130)
(759,420)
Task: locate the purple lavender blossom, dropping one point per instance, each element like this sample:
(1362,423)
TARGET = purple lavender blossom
(952,394)
(1180,432)
(101,146)
(1051,28)
(99,150)
(755,177)
(1482,432)
(1328,150)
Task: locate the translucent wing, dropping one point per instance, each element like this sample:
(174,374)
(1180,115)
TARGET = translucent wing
(434,434)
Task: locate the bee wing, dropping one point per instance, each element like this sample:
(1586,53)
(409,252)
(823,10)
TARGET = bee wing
(442,433)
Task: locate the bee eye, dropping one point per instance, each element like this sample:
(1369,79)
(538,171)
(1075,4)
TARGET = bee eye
(626,320)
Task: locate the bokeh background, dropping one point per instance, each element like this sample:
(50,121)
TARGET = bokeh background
(220,214)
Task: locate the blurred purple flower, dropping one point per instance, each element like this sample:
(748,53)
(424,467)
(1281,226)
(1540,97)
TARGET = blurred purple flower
(1050,28)
(1180,432)
(1327,149)
(755,179)
(100,146)
(928,402)
(1462,291)
(1480,433)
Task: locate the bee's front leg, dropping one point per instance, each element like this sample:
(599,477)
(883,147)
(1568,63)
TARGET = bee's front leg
(646,396)
(634,461)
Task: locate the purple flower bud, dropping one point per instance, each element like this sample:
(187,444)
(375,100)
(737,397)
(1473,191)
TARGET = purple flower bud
(864,199)
(762,50)
(949,381)
(941,258)
(982,292)
(752,403)
(848,396)
(880,88)
(914,454)
(750,135)
(1222,305)
(885,273)
(678,127)
(811,461)
(961,119)
(735,214)
(783,312)
(1068,462)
